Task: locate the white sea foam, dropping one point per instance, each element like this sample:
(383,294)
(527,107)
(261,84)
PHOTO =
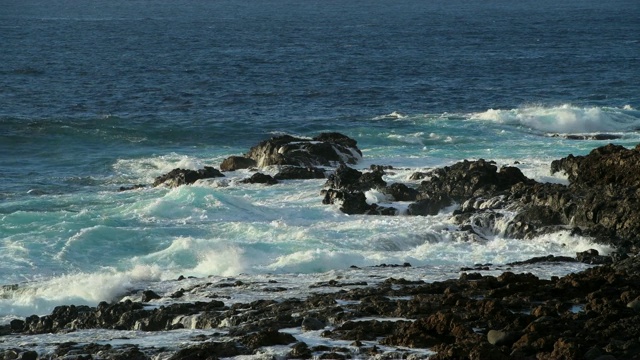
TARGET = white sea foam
(565,119)
(145,170)
(415,138)
(79,288)
(391,116)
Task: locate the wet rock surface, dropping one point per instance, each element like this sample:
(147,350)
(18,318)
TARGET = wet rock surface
(178,177)
(260,178)
(298,173)
(602,199)
(298,158)
(326,149)
(233,163)
(513,315)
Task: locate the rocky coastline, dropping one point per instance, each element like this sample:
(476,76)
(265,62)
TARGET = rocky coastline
(593,314)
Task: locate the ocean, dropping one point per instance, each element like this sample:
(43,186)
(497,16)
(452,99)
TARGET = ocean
(95,95)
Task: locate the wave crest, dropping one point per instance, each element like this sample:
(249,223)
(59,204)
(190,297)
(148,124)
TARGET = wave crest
(566,119)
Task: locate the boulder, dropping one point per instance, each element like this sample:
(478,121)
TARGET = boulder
(233,163)
(346,178)
(311,323)
(350,202)
(592,256)
(297,173)
(210,350)
(402,192)
(267,338)
(326,149)
(499,337)
(149,295)
(300,350)
(260,178)
(178,177)
(429,206)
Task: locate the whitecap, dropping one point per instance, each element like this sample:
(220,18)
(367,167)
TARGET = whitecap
(565,119)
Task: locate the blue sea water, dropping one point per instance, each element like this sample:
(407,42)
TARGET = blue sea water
(95,95)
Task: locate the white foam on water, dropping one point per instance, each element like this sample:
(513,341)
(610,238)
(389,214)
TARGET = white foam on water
(145,170)
(415,138)
(565,119)
(227,261)
(540,170)
(40,297)
(395,115)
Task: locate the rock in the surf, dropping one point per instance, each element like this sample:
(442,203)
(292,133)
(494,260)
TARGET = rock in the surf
(260,178)
(606,165)
(178,177)
(299,173)
(326,149)
(346,178)
(233,163)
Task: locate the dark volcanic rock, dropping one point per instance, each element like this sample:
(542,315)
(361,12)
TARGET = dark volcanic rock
(402,192)
(587,315)
(210,350)
(267,338)
(592,256)
(430,206)
(133,187)
(499,338)
(350,202)
(543,259)
(233,163)
(588,136)
(149,295)
(260,178)
(610,164)
(300,350)
(604,193)
(324,150)
(513,316)
(297,172)
(177,177)
(468,179)
(346,178)
(347,187)
(310,324)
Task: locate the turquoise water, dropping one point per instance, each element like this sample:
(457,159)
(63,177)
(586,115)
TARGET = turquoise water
(97,95)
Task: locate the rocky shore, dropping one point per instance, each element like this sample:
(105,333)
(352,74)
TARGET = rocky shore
(593,314)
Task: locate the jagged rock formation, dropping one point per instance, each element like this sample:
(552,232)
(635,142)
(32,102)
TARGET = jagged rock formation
(602,199)
(326,149)
(178,177)
(298,157)
(260,178)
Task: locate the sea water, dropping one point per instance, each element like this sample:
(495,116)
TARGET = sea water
(95,95)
